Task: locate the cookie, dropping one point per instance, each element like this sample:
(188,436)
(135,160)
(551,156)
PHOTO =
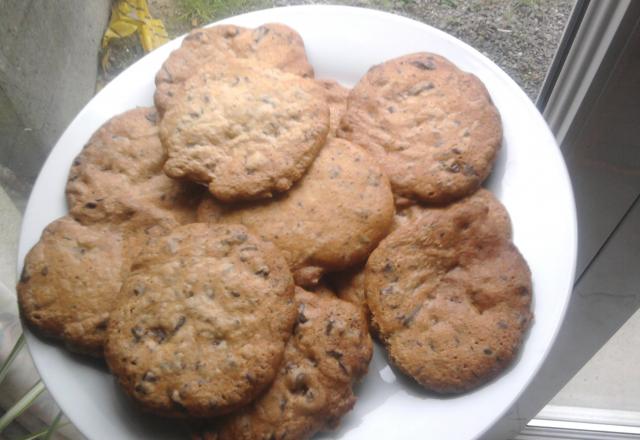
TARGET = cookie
(329,351)
(348,285)
(202,331)
(432,127)
(336,96)
(496,215)
(71,278)
(243,129)
(450,296)
(273,44)
(70,282)
(119,172)
(330,220)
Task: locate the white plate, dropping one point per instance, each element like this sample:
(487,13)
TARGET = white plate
(530,178)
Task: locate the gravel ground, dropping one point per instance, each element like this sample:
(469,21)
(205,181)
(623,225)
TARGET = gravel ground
(520,36)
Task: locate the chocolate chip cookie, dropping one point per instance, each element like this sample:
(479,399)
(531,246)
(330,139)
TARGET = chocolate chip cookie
(274,44)
(245,130)
(329,351)
(71,278)
(119,172)
(70,282)
(450,296)
(330,220)
(203,329)
(432,127)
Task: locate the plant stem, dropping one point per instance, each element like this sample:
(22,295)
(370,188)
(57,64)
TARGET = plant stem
(54,426)
(4,370)
(23,404)
(40,433)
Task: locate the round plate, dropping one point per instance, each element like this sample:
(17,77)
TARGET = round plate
(530,178)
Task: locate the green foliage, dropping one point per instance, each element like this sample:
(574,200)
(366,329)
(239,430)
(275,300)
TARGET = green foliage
(527,3)
(450,3)
(4,369)
(21,405)
(205,11)
(25,401)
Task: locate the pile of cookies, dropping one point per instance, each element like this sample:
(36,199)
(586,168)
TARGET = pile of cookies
(230,250)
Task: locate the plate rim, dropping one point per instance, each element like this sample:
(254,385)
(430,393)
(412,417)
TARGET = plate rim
(573,224)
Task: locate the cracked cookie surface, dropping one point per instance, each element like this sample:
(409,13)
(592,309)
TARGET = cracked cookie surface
(208,311)
(273,44)
(450,295)
(432,127)
(70,282)
(330,220)
(72,277)
(328,353)
(119,172)
(245,130)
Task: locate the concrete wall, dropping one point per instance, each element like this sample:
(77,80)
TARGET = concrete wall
(48,65)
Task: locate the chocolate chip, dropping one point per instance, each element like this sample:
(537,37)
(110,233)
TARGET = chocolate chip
(152,117)
(419,88)
(334,354)
(373,179)
(300,384)
(424,65)
(387,290)
(140,389)
(334,172)
(283,403)
(301,317)
(468,170)
(137,333)
(329,327)
(231,33)
(24,276)
(409,319)
(90,205)
(180,323)
(102,325)
(44,271)
(488,351)
(522,319)
(159,334)
(260,33)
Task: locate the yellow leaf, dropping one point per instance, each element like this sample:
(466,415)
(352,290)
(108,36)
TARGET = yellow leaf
(130,16)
